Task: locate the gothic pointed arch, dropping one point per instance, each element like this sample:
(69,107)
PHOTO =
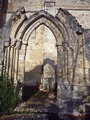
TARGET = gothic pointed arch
(70,39)
(63,24)
(64,27)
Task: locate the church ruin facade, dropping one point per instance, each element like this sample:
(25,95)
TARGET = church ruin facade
(49,47)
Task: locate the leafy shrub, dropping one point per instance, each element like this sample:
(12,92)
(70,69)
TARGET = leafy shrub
(8,91)
(8,96)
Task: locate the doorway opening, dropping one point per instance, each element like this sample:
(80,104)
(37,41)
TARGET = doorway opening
(40,78)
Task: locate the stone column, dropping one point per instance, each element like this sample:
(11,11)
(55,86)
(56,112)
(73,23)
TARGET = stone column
(11,65)
(22,52)
(19,66)
(8,61)
(16,65)
(7,56)
(65,62)
(60,63)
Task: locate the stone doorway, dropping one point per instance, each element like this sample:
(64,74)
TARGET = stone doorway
(40,61)
(69,37)
(17,46)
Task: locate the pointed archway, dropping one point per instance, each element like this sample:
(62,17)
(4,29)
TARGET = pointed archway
(69,42)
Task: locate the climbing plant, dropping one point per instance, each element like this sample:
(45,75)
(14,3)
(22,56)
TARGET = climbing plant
(8,93)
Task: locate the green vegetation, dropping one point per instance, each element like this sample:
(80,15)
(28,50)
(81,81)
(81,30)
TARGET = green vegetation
(8,94)
(41,95)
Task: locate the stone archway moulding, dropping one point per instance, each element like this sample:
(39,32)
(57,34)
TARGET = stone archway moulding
(22,27)
(69,37)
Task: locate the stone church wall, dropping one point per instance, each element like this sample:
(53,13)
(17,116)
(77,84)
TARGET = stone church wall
(78,8)
(34,51)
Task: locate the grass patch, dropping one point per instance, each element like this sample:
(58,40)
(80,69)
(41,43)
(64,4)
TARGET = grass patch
(41,95)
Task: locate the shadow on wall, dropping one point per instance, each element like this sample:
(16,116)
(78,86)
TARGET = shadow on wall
(31,81)
(33,78)
(50,62)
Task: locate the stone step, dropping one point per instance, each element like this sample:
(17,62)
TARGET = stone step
(43,116)
(39,103)
(37,107)
(32,117)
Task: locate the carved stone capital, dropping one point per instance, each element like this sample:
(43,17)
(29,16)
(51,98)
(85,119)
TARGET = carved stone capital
(13,41)
(18,44)
(7,42)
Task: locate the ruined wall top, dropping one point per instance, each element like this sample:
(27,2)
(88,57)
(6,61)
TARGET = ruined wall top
(32,5)
(78,8)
